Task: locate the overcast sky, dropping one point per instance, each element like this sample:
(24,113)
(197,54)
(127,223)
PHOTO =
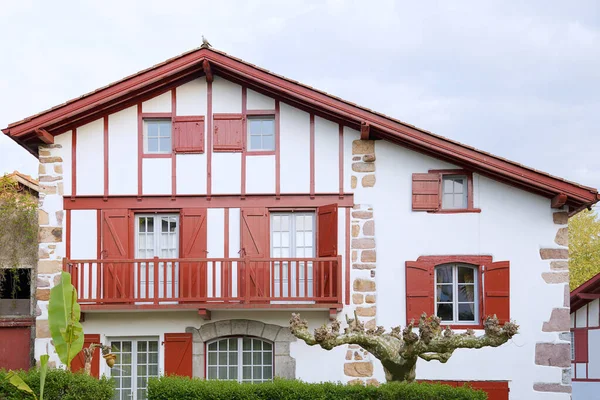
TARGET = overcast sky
(518,80)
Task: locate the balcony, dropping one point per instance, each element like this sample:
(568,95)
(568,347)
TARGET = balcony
(208,283)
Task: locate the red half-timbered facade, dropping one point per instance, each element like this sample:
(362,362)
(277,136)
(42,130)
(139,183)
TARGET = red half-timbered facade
(199,202)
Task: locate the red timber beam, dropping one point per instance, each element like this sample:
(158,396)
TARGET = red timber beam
(207,71)
(44,136)
(365,131)
(559,200)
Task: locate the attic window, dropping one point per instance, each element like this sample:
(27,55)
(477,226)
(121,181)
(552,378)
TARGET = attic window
(261,133)
(157,136)
(454,192)
(443,191)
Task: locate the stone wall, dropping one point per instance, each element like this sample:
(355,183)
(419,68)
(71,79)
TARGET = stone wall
(51,240)
(557,354)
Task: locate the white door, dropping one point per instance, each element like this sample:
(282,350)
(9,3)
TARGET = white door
(137,360)
(157,235)
(292,236)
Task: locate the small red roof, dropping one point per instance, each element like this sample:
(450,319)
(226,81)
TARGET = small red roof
(41,127)
(585,293)
(25,180)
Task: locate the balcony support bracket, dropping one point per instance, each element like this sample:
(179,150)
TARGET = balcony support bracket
(204,314)
(333,314)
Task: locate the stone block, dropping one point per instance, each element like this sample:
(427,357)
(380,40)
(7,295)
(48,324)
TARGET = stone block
(363,285)
(561,217)
(559,265)
(49,266)
(358,369)
(562,237)
(551,387)
(363,266)
(42,294)
(372,382)
(270,332)
(285,335)
(42,330)
(362,214)
(48,178)
(353,180)
(366,311)
(553,354)
(369,228)
(355,230)
(48,160)
(363,167)
(369,158)
(223,328)
(349,355)
(43,253)
(355,382)
(559,321)
(370,299)
(368,180)
(354,255)
(255,328)
(363,243)
(555,277)
(368,256)
(58,168)
(357,298)
(371,324)
(49,234)
(239,327)
(282,348)
(556,254)
(59,217)
(208,332)
(42,217)
(41,282)
(285,367)
(566,376)
(363,147)
(45,189)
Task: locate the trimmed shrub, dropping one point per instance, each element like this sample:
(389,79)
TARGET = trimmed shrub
(180,388)
(60,384)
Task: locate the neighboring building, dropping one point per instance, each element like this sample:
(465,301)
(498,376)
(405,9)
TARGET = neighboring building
(585,339)
(17,320)
(201,201)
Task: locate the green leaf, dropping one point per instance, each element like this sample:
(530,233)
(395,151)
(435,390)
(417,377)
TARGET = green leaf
(63,319)
(19,383)
(43,371)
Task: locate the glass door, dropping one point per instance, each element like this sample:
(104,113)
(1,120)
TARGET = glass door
(137,360)
(157,235)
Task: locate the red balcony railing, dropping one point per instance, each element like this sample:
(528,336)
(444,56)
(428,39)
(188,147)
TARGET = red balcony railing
(207,282)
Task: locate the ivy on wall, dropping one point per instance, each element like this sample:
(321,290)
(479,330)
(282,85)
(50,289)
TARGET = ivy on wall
(18,230)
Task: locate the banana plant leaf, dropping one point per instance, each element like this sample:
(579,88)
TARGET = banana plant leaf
(63,320)
(43,372)
(19,383)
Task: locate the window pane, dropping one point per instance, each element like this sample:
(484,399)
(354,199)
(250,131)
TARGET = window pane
(268,127)
(255,143)
(247,344)
(466,312)
(247,373)
(233,344)
(459,201)
(458,185)
(152,145)
(466,293)
(444,311)
(254,126)
(212,358)
(267,346)
(223,373)
(165,144)
(444,274)
(152,128)
(448,185)
(268,373)
(466,275)
(257,344)
(247,358)
(233,358)
(223,358)
(212,346)
(165,129)
(268,142)
(444,293)
(212,372)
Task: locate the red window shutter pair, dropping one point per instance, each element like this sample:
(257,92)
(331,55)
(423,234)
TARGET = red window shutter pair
(426,192)
(420,290)
(188,134)
(178,354)
(78,363)
(115,247)
(228,132)
(581,345)
(193,242)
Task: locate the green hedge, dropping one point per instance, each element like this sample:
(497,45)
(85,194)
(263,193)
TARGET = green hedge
(60,384)
(178,388)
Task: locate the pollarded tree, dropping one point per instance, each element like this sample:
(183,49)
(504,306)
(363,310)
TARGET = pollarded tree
(399,349)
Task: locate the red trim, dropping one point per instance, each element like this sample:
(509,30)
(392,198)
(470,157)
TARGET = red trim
(209,306)
(209,134)
(157,155)
(341,156)
(140,147)
(312,154)
(163,202)
(74,163)
(226,234)
(261,153)
(158,115)
(365,131)
(591,287)
(277,150)
(98,234)
(67,232)
(17,322)
(265,113)
(44,136)
(244,137)
(348,256)
(173,155)
(106,156)
(470,208)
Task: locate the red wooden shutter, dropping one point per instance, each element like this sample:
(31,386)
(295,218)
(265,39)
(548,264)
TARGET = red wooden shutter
(426,192)
(255,244)
(178,354)
(496,297)
(327,240)
(189,134)
(115,246)
(78,363)
(419,289)
(496,390)
(581,345)
(192,275)
(228,131)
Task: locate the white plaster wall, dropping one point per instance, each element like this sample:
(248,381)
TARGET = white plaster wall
(122,152)
(513,225)
(65,140)
(156,176)
(257,101)
(215,224)
(295,150)
(585,390)
(234,232)
(191,98)
(84,234)
(226,96)
(260,174)
(327,156)
(342,247)
(594,354)
(191,173)
(160,103)
(90,158)
(581,317)
(594,313)
(226,173)
(350,135)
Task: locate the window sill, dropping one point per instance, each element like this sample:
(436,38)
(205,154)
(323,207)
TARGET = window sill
(157,155)
(260,152)
(457,211)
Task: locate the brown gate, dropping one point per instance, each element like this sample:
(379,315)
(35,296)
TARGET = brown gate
(15,347)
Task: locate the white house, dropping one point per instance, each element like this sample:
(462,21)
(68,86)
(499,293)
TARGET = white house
(585,339)
(201,201)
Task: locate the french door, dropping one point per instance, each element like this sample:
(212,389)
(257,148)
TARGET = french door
(137,360)
(157,235)
(292,236)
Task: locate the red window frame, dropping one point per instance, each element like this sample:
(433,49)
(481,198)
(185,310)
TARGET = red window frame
(445,172)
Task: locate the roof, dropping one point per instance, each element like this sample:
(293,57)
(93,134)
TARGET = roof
(585,293)
(40,128)
(25,180)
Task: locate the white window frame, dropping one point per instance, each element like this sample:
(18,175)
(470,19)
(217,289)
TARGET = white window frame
(174,268)
(134,357)
(240,357)
(455,302)
(465,194)
(148,121)
(249,133)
